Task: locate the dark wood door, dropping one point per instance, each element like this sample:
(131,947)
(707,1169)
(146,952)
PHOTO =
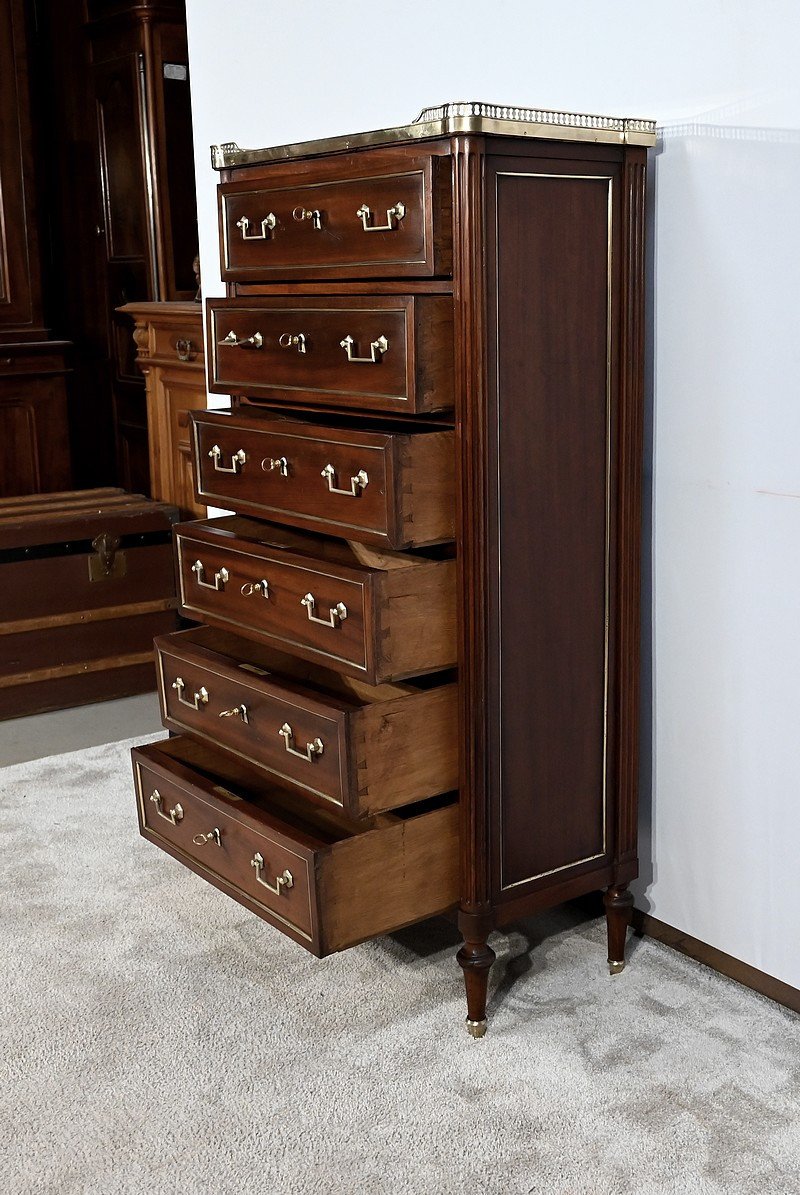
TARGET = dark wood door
(20,286)
(34,439)
(126,242)
(114,111)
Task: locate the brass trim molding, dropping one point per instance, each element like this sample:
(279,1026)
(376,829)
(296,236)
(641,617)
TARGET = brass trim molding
(458,118)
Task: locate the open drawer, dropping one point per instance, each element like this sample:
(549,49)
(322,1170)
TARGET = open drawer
(379,616)
(364,748)
(372,352)
(385,484)
(323,880)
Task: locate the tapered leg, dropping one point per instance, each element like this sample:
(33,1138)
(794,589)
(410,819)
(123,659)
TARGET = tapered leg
(619,906)
(475,957)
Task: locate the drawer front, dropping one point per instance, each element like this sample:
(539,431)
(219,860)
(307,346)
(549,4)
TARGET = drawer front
(317,610)
(391,224)
(19,362)
(257,718)
(382,353)
(325,480)
(323,880)
(184,346)
(174,811)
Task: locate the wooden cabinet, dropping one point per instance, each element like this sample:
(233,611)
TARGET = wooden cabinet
(34,432)
(146,233)
(113,116)
(169,343)
(478,274)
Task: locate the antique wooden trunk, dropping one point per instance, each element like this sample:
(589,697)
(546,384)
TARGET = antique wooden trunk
(86,581)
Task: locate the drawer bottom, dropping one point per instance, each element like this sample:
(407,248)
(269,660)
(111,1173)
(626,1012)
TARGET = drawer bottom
(323,880)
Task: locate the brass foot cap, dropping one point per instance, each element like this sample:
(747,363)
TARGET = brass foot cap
(615,968)
(476,1028)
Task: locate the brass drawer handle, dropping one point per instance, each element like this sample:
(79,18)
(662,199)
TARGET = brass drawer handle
(238,711)
(173,815)
(357,483)
(271,463)
(184,349)
(220,578)
(256,341)
(337,613)
(289,340)
(237,459)
(315,216)
(267,226)
(312,749)
(250,587)
(392,213)
(376,350)
(209,836)
(200,695)
(283,881)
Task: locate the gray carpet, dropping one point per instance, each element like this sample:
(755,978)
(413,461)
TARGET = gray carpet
(158,1039)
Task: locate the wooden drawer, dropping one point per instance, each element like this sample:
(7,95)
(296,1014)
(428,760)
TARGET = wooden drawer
(35,360)
(285,226)
(375,615)
(324,881)
(295,349)
(388,488)
(182,344)
(364,748)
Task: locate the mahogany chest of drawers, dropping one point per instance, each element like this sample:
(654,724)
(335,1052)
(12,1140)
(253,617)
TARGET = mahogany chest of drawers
(417,686)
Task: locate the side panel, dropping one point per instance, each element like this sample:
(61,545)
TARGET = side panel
(552,236)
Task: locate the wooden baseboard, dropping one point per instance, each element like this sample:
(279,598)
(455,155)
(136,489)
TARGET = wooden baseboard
(717,960)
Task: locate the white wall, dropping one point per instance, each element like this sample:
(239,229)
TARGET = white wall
(721,592)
